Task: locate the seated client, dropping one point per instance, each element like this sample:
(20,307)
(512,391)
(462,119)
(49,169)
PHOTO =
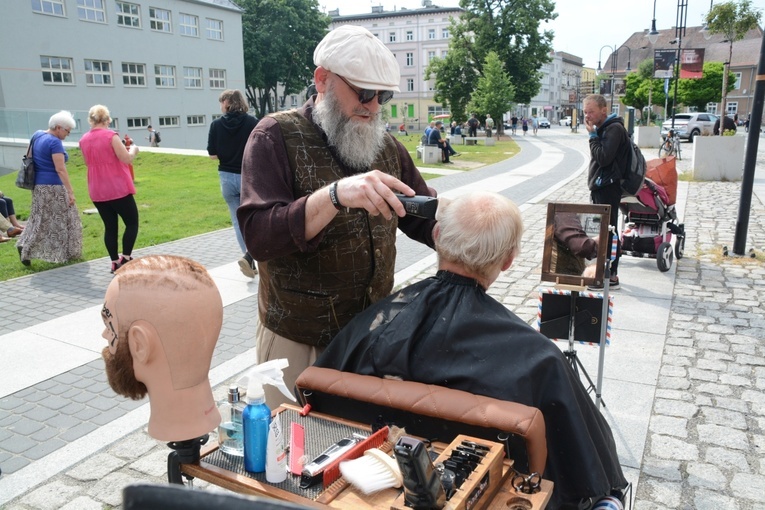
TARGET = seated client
(163,315)
(447,330)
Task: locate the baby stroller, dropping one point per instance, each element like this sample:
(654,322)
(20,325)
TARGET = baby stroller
(650,219)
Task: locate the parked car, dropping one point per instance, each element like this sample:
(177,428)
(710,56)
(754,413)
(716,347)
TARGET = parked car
(566,121)
(690,125)
(544,123)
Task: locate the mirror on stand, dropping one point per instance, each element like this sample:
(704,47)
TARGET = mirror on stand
(575,246)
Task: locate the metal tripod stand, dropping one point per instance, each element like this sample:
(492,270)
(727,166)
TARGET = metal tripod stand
(570,353)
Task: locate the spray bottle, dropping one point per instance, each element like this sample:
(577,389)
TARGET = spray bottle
(256,418)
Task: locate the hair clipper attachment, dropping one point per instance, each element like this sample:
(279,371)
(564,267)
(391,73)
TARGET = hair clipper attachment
(421,206)
(314,471)
(422,483)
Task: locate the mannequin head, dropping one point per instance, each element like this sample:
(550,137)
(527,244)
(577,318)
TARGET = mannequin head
(163,315)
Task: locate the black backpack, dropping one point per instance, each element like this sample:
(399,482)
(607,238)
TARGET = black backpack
(634,175)
(157,138)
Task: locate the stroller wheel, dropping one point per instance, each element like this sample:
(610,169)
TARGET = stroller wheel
(679,247)
(664,257)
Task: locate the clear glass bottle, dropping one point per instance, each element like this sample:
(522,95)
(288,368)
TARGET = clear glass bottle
(230,436)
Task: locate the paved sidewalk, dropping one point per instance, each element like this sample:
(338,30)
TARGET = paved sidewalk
(684,375)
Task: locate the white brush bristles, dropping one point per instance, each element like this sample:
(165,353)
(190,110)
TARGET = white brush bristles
(372,472)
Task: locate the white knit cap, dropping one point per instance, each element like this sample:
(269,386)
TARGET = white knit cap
(359,57)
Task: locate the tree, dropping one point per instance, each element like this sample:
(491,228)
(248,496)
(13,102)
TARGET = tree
(642,89)
(494,92)
(455,76)
(510,28)
(733,20)
(708,89)
(279,37)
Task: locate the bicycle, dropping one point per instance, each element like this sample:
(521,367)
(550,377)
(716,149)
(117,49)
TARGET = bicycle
(670,146)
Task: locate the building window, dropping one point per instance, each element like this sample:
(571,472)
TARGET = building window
(410,59)
(159,20)
(393,111)
(737,86)
(192,77)
(409,35)
(431,33)
(443,53)
(138,122)
(57,70)
(293,101)
(98,72)
(732,108)
(164,76)
(410,84)
(444,33)
(712,108)
(195,120)
(128,15)
(392,37)
(217,116)
(431,56)
(170,121)
(188,25)
(217,78)
(133,75)
(54,7)
(434,110)
(214,29)
(91,10)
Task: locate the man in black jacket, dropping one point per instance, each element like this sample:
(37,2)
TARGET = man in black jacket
(728,125)
(609,151)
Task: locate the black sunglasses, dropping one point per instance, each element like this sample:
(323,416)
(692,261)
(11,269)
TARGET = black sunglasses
(366,95)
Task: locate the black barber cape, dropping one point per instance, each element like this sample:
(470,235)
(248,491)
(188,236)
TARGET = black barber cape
(446,330)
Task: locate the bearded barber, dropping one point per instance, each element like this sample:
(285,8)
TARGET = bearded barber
(318,210)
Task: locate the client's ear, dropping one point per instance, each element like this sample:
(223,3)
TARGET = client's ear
(141,338)
(508,262)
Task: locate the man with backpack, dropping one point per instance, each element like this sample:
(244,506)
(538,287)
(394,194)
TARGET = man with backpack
(610,148)
(153,136)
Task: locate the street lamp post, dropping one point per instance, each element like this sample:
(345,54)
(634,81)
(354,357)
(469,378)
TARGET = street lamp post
(614,57)
(577,80)
(680,21)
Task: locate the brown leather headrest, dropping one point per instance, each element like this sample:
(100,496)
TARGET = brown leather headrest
(438,402)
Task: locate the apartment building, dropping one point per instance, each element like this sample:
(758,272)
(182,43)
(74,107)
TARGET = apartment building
(158,62)
(415,36)
(561,88)
(743,65)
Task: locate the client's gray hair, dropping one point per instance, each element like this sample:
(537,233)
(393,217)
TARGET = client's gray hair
(478,230)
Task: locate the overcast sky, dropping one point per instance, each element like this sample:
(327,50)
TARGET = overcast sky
(583,27)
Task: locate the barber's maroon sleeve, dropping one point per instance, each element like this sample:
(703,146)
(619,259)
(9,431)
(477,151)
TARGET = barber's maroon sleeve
(416,228)
(272,219)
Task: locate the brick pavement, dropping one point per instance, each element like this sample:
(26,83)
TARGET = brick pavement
(705,439)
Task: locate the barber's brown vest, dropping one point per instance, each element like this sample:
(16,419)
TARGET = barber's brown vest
(308,297)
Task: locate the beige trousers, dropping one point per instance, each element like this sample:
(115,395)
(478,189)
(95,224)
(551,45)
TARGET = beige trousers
(301,356)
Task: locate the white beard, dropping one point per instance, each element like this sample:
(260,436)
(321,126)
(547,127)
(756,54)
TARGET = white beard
(356,142)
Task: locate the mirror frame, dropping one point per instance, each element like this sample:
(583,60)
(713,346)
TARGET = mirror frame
(604,211)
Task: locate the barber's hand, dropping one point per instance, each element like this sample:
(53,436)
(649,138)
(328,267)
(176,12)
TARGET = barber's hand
(373,191)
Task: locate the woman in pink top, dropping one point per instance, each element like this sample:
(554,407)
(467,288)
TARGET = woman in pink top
(110,184)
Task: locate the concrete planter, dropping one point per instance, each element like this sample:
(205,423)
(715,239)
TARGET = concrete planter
(647,137)
(718,158)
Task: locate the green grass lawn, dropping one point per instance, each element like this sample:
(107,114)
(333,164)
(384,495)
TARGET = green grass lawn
(177,197)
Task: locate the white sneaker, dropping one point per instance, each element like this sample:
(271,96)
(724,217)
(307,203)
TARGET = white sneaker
(247,266)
